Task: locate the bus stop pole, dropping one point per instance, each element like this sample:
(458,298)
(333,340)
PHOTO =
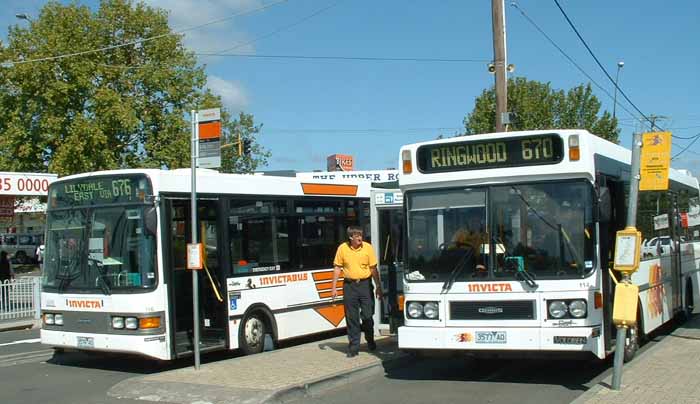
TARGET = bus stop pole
(195,286)
(631,222)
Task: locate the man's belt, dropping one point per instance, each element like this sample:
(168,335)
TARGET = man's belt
(350,280)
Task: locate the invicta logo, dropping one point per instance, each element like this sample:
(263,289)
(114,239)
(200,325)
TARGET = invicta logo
(490,287)
(84,304)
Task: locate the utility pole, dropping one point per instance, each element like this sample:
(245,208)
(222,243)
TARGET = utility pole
(499,60)
(653,118)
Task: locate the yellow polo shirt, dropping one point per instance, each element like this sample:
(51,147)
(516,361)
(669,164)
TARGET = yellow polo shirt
(356,263)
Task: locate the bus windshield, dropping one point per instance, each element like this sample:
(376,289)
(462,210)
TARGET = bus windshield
(544,230)
(105,249)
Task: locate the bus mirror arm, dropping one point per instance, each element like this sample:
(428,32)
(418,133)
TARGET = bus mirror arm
(150,219)
(604,205)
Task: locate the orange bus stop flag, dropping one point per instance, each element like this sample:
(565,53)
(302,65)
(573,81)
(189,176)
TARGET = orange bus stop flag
(655,161)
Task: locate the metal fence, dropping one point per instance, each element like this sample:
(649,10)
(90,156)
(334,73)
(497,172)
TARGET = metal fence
(20,298)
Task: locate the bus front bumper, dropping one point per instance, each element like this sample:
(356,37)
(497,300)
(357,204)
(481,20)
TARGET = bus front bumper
(569,339)
(154,346)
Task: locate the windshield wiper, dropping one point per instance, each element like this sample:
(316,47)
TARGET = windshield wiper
(456,271)
(103,283)
(66,278)
(520,273)
(527,277)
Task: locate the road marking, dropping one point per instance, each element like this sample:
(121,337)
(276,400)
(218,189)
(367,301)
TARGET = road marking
(22,341)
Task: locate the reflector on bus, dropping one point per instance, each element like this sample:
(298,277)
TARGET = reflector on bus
(329,189)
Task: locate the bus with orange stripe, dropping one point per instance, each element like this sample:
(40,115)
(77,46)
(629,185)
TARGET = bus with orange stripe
(116,277)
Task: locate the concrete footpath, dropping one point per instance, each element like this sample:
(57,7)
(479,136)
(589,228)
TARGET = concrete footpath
(669,372)
(270,377)
(19,324)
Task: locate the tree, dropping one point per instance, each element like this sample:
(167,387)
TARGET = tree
(242,129)
(537,106)
(124,106)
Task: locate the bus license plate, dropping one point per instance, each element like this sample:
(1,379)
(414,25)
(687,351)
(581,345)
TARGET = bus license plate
(490,337)
(86,342)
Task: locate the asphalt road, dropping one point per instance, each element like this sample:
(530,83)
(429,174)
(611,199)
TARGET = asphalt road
(31,373)
(468,380)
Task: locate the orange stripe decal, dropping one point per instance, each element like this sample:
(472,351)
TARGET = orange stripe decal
(329,189)
(334,313)
(327,285)
(328,293)
(323,276)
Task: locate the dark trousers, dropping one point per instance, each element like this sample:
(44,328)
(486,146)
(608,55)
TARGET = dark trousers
(358,299)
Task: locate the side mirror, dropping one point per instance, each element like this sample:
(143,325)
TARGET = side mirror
(151,220)
(604,205)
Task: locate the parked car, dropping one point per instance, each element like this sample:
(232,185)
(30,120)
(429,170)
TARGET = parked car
(658,246)
(21,247)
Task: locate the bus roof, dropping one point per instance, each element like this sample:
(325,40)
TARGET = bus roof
(593,150)
(213,182)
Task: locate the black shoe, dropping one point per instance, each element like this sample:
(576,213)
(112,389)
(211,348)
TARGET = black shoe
(371,345)
(352,354)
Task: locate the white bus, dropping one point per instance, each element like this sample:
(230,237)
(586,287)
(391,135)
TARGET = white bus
(115,277)
(547,204)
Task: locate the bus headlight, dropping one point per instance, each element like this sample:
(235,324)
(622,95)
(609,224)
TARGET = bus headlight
(132,323)
(58,319)
(415,309)
(577,308)
(430,310)
(48,319)
(118,322)
(557,309)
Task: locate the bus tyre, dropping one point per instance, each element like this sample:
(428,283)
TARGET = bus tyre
(251,338)
(631,342)
(688,304)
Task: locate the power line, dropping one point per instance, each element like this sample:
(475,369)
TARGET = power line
(686,147)
(686,138)
(271,33)
(284,28)
(569,58)
(360,58)
(571,24)
(140,41)
(357,130)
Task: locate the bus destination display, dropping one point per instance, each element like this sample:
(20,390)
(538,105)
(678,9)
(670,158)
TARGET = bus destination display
(474,155)
(97,191)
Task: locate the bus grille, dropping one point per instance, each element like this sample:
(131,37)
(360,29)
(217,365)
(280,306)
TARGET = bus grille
(493,310)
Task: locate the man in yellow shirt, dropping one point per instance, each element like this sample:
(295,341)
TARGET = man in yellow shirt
(358,263)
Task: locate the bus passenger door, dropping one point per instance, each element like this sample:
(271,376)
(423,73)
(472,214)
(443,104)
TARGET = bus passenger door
(212,310)
(387,239)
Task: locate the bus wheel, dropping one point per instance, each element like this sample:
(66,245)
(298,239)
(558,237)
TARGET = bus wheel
(251,338)
(632,342)
(688,305)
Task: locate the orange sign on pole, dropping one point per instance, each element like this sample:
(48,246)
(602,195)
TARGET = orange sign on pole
(655,161)
(209,136)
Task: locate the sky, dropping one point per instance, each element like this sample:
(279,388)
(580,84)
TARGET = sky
(312,108)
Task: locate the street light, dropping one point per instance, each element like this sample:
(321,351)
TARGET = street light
(617,76)
(23,16)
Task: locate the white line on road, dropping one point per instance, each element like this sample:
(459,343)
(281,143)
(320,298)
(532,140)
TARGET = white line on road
(22,341)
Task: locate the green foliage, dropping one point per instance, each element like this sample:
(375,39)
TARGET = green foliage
(237,130)
(122,107)
(537,106)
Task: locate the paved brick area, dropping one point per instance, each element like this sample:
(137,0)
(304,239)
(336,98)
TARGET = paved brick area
(667,373)
(256,378)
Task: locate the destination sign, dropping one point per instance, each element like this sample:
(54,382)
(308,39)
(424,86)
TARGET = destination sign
(496,153)
(99,191)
